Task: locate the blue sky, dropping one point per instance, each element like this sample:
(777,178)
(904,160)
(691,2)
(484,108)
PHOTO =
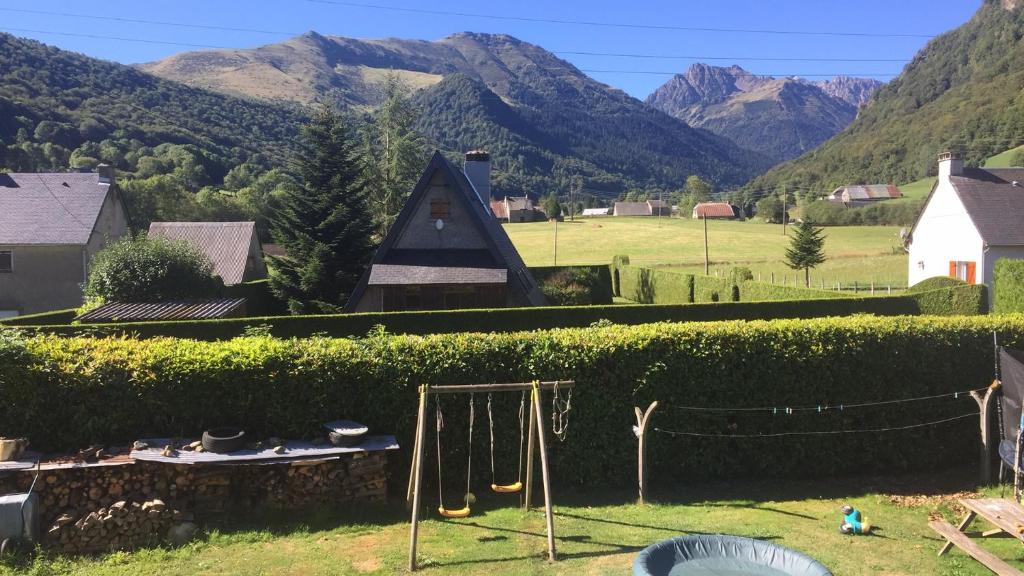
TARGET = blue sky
(358,19)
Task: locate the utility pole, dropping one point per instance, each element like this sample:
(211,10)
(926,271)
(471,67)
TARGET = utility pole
(555,252)
(706,262)
(784,218)
(660,192)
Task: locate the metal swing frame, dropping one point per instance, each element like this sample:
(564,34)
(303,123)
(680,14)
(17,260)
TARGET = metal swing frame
(535,435)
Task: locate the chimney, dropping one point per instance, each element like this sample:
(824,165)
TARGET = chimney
(478,171)
(106,172)
(950,164)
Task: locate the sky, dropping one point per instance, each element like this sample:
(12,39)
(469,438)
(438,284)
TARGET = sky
(664,32)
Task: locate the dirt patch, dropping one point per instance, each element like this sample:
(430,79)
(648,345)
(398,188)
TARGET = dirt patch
(931,500)
(361,551)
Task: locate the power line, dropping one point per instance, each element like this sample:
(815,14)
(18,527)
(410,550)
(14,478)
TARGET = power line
(152,22)
(102,37)
(673,73)
(633,26)
(736,58)
(818,432)
(829,407)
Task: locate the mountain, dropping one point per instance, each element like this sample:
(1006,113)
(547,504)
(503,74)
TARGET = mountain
(778,117)
(962,91)
(544,119)
(58,107)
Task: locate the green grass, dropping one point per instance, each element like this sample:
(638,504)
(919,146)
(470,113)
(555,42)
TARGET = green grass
(596,533)
(1003,160)
(917,190)
(883,270)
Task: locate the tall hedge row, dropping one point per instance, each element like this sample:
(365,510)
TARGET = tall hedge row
(600,290)
(1008,286)
(68,392)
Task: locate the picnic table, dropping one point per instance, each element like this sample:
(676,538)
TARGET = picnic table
(1006,515)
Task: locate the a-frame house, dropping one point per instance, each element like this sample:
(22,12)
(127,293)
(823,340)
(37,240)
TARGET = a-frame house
(445,250)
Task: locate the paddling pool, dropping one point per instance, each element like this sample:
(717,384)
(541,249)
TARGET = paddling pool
(721,555)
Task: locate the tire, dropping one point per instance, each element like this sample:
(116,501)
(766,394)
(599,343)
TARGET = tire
(223,440)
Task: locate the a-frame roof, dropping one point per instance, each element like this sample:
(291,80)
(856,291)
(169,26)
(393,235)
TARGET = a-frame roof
(498,243)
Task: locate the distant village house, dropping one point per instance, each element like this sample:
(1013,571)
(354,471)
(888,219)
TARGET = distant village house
(51,225)
(864,194)
(972,217)
(715,210)
(648,208)
(516,209)
(446,250)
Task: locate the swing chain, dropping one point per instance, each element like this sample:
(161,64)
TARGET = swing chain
(469,462)
(560,412)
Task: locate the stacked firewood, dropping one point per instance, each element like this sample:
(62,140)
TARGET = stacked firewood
(121,526)
(360,477)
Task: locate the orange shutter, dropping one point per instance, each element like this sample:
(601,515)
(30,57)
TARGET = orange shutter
(952,269)
(970,272)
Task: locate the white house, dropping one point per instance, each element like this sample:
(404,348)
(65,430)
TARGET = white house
(972,217)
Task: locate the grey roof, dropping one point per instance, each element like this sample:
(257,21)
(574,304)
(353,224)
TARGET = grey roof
(225,243)
(53,208)
(169,310)
(994,204)
(632,209)
(396,274)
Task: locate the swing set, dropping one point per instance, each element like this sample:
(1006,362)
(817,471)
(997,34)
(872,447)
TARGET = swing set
(528,438)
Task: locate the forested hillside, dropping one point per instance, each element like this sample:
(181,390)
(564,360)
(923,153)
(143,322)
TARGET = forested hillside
(963,91)
(60,110)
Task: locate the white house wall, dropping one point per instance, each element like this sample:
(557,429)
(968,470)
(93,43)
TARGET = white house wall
(944,233)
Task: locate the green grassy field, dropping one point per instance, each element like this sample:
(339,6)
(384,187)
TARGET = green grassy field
(1004,160)
(917,190)
(596,533)
(856,253)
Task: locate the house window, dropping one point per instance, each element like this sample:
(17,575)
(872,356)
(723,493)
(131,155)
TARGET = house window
(440,209)
(965,271)
(6,261)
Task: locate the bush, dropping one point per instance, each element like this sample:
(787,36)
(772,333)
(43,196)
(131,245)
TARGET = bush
(65,393)
(1008,286)
(740,274)
(144,269)
(827,213)
(934,283)
(595,284)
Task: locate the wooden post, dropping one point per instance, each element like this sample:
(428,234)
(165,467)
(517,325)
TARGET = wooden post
(641,432)
(545,476)
(706,261)
(415,451)
(528,493)
(418,479)
(985,405)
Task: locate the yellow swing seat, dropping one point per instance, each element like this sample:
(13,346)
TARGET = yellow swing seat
(507,488)
(460,513)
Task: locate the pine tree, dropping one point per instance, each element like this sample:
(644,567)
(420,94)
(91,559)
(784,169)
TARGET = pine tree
(324,225)
(392,153)
(806,250)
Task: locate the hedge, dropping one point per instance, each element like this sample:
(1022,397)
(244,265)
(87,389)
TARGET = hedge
(936,282)
(65,393)
(1008,286)
(600,291)
(56,317)
(259,300)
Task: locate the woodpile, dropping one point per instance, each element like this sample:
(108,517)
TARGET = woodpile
(117,507)
(121,526)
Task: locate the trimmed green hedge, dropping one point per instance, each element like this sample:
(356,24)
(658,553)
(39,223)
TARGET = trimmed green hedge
(1008,286)
(56,317)
(67,392)
(259,300)
(967,301)
(754,291)
(936,282)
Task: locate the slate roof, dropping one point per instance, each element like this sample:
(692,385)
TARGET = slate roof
(595,212)
(394,274)
(225,243)
(866,192)
(53,208)
(169,310)
(499,246)
(714,210)
(994,204)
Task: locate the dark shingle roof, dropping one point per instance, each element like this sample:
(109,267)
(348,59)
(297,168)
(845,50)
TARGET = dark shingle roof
(395,274)
(54,208)
(225,243)
(994,204)
(170,310)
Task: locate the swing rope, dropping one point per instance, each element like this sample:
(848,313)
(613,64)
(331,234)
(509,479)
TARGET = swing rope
(518,484)
(464,511)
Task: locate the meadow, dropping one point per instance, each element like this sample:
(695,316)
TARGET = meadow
(861,254)
(596,533)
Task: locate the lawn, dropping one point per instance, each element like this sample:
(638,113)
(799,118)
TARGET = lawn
(856,253)
(596,534)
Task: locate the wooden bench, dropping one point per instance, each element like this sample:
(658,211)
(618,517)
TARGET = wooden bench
(1006,515)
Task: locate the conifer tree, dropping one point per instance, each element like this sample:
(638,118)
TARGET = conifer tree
(806,250)
(324,225)
(393,154)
